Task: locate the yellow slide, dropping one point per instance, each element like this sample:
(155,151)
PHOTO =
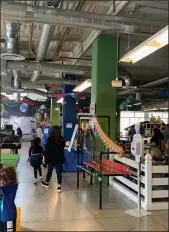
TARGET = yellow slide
(107,141)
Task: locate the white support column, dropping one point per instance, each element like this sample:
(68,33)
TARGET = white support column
(148,181)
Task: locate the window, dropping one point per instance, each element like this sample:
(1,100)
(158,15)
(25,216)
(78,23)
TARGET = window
(139,114)
(128,118)
(165,115)
(127,114)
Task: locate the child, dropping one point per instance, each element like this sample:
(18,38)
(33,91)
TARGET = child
(36,155)
(8,189)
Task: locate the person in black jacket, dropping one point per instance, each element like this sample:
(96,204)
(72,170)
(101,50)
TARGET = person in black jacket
(54,156)
(36,157)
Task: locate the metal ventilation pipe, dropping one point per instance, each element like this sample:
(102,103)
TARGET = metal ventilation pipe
(150,84)
(12,44)
(46,35)
(18,12)
(28,13)
(17,79)
(122,74)
(46,67)
(12,37)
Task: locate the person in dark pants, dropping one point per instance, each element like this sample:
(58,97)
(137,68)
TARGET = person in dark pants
(36,156)
(54,156)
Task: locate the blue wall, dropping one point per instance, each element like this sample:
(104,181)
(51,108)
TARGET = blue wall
(68,113)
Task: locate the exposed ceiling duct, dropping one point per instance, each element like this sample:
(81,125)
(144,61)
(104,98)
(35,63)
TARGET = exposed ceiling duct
(124,75)
(18,12)
(12,42)
(12,37)
(45,67)
(42,83)
(46,35)
(134,89)
(12,48)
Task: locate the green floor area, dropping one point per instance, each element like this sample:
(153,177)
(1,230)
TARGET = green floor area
(11,160)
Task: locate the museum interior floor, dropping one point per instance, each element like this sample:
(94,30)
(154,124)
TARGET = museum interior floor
(77,210)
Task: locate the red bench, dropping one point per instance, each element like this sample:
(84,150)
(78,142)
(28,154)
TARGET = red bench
(109,168)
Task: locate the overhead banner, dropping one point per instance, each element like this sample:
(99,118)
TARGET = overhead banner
(127,101)
(163,93)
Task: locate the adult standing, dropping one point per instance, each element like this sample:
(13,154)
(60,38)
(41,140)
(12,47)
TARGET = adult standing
(54,156)
(166,139)
(152,120)
(158,122)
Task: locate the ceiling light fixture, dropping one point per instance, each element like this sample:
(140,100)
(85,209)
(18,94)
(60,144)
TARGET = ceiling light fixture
(136,104)
(155,42)
(150,109)
(164,108)
(85,85)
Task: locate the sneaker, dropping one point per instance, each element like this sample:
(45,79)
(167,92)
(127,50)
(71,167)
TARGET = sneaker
(59,190)
(44,184)
(40,178)
(35,181)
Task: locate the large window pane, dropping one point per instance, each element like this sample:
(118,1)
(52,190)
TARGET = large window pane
(124,122)
(165,115)
(139,114)
(127,114)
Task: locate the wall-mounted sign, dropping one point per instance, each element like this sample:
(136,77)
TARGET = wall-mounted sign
(69,125)
(127,101)
(23,107)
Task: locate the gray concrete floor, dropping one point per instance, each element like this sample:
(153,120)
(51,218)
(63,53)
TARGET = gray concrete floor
(77,210)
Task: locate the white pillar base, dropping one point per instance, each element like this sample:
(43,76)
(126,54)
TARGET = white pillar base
(135,213)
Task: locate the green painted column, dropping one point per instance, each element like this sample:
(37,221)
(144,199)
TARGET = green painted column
(104,70)
(55,113)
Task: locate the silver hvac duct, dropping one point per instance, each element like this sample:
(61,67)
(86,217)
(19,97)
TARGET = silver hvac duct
(42,83)
(122,74)
(18,12)
(12,44)
(17,79)
(150,84)
(12,37)
(46,35)
(46,67)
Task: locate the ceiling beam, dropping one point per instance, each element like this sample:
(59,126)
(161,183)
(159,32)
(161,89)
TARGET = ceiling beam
(95,33)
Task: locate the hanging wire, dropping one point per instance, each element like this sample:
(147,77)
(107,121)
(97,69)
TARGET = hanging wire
(128,46)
